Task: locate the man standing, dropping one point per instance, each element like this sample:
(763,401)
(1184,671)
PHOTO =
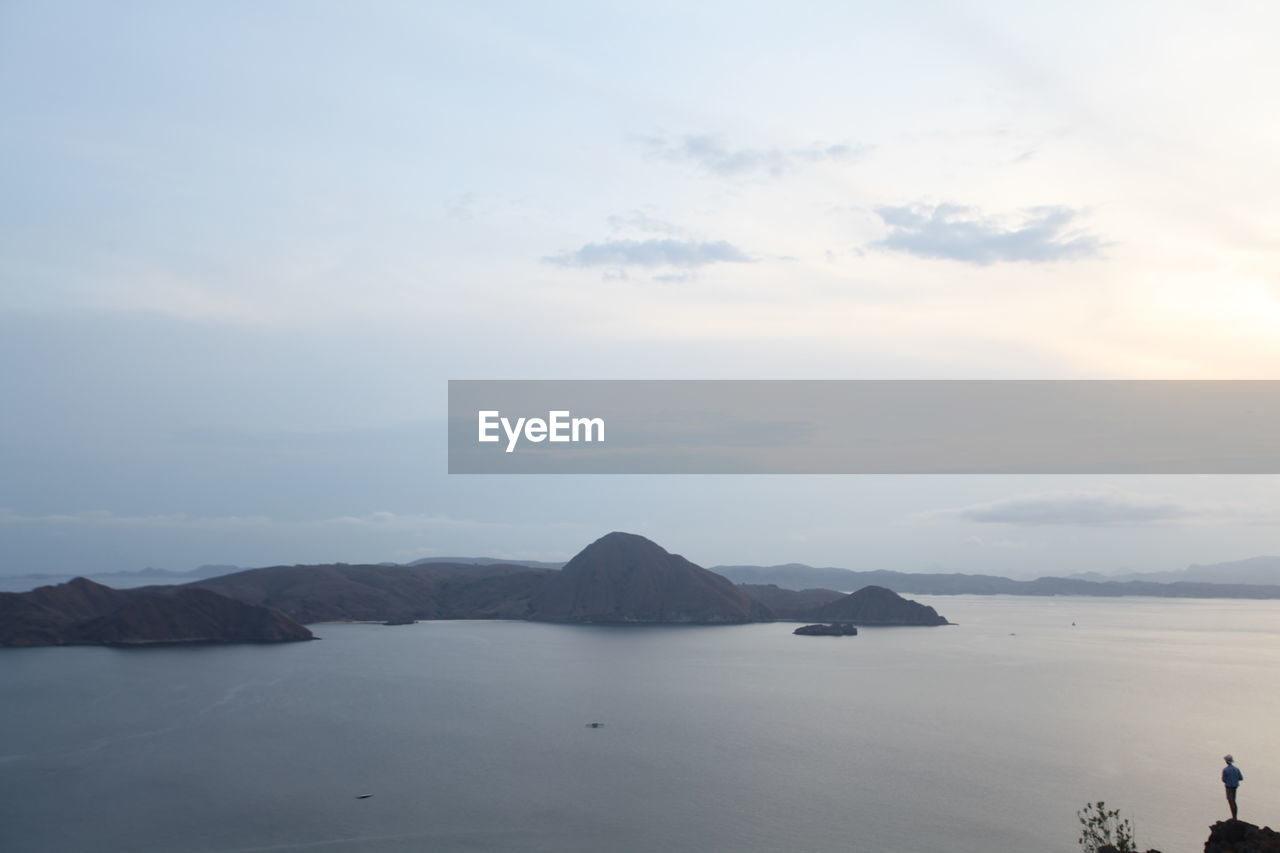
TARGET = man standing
(1231,777)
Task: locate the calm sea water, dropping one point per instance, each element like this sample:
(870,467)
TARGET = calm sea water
(472,736)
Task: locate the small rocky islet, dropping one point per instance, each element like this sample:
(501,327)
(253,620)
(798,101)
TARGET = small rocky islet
(836,630)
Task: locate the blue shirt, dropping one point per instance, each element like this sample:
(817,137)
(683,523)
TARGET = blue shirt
(1231,776)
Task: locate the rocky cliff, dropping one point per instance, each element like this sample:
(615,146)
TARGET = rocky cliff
(1230,836)
(623,577)
(1236,836)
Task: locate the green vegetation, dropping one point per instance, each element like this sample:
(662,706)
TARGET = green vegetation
(1103,827)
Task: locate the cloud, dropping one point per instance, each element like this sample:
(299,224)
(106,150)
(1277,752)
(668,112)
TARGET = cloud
(66,542)
(1104,508)
(105,519)
(686,254)
(638,220)
(711,155)
(958,233)
(979,542)
(155,290)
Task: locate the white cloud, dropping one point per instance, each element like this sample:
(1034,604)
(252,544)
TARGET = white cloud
(686,254)
(982,542)
(958,233)
(1102,508)
(711,155)
(638,220)
(155,290)
(374,520)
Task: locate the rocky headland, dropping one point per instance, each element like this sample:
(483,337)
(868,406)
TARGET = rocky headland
(1229,836)
(1236,836)
(875,605)
(81,612)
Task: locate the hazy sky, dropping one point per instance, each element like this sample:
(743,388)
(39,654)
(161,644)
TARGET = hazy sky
(245,245)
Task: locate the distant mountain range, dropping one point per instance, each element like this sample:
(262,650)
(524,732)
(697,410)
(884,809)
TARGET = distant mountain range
(206,571)
(797,576)
(213,571)
(1256,577)
(619,578)
(1253,571)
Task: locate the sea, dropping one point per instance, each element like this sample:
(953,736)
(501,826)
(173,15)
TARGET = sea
(985,736)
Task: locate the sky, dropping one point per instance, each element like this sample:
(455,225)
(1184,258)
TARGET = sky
(244,247)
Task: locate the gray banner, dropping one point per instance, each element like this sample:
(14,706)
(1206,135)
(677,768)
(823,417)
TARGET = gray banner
(863,427)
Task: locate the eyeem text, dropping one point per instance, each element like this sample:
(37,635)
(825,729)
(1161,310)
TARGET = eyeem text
(558,426)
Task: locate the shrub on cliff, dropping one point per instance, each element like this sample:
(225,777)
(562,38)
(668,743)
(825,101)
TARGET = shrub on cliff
(1102,827)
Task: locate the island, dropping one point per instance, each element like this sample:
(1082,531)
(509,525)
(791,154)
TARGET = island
(837,629)
(621,578)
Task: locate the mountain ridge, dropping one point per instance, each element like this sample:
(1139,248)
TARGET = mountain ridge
(1256,571)
(82,612)
(799,576)
(1214,580)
